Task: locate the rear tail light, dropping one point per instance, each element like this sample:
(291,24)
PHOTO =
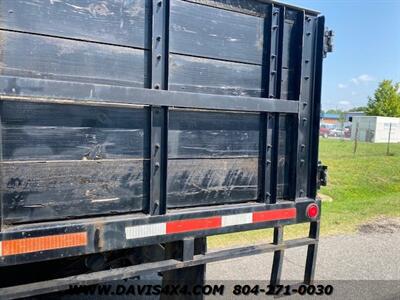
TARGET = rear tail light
(312,211)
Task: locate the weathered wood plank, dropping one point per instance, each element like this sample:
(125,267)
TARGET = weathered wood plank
(289,40)
(209,32)
(197,182)
(208,76)
(113,21)
(66,115)
(28,55)
(194,134)
(249,7)
(289,85)
(71,143)
(33,131)
(34,191)
(286,148)
(291,57)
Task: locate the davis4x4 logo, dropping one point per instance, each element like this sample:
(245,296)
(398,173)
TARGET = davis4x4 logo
(147,290)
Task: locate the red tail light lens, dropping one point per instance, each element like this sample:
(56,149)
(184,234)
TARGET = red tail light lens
(312,211)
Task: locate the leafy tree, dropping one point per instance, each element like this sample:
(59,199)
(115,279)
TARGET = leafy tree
(386,101)
(334,111)
(357,109)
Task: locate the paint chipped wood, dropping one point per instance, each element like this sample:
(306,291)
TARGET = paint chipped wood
(52,190)
(113,21)
(197,182)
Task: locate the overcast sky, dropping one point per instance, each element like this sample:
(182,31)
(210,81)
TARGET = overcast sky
(367,48)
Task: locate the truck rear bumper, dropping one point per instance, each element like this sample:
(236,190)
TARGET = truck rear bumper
(54,240)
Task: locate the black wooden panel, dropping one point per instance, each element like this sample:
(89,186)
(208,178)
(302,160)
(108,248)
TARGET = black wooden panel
(286,150)
(250,7)
(208,76)
(194,134)
(210,32)
(33,131)
(34,191)
(289,85)
(113,21)
(291,56)
(36,56)
(290,42)
(69,143)
(198,182)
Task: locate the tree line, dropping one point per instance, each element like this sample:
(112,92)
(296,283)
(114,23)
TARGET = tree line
(385,102)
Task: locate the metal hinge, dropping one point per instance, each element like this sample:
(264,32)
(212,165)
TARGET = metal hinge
(322,177)
(328,41)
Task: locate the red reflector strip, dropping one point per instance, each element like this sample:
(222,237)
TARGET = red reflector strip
(194,224)
(43,243)
(189,225)
(273,215)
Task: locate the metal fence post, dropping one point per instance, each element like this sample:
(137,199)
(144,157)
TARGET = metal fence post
(388,144)
(356,139)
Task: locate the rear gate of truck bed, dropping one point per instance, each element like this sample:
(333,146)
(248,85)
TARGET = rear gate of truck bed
(135,123)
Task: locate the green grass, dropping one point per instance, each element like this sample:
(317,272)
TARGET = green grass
(363,186)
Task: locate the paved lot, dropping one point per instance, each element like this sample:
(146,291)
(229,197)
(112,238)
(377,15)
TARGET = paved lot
(360,266)
(353,257)
(352,263)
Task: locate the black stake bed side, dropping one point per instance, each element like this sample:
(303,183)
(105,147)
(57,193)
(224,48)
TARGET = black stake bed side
(129,125)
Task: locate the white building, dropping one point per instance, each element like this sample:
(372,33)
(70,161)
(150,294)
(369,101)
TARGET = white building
(376,129)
